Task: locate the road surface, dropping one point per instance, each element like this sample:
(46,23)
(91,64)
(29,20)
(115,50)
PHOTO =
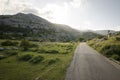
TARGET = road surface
(88,64)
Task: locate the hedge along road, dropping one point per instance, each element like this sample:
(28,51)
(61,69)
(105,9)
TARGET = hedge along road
(88,64)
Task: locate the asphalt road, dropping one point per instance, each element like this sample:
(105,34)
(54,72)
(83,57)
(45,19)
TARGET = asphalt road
(88,64)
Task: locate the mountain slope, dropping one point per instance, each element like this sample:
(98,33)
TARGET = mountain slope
(104,32)
(37,28)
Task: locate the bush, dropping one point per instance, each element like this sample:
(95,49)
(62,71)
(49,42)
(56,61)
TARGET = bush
(25,44)
(100,37)
(70,47)
(109,49)
(37,59)
(118,38)
(25,57)
(116,57)
(34,49)
(2,57)
(41,50)
(52,61)
(9,43)
(52,51)
(11,52)
(33,45)
(48,51)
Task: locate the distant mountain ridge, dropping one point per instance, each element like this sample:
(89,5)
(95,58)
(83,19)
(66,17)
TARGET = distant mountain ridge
(34,27)
(104,32)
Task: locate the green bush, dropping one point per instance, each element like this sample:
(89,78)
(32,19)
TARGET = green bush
(52,61)
(91,43)
(37,59)
(69,47)
(9,43)
(2,57)
(11,52)
(33,45)
(118,38)
(41,51)
(109,49)
(116,57)
(25,57)
(52,51)
(25,44)
(34,49)
(48,51)
(80,39)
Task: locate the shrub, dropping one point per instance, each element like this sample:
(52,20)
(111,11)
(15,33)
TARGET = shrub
(41,50)
(36,59)
(25,57)
(34,49)
(33,45)
(52,61)
(2,57)
(116,57)
(109,49)
(11,52)
(25,44)
(70,47)
(9,43)
(80,39)
(118,38)
(100,37)
(52,51)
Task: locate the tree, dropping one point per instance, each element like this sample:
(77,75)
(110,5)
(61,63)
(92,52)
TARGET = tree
(80,39)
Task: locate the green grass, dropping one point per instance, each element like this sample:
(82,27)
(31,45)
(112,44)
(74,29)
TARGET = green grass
(110,47)
(48,62)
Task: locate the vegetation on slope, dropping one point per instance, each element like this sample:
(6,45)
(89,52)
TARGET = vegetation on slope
(38,29)
(109,47)
(34,28)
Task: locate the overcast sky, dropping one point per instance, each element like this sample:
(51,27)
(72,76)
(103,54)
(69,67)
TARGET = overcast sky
(79,14)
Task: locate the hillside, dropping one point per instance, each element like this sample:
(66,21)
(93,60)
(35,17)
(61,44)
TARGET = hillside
(104,32)
(36,28)
(108,46)
(90,35)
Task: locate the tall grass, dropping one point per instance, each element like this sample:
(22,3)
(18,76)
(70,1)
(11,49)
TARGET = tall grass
(109,48)
(48,62)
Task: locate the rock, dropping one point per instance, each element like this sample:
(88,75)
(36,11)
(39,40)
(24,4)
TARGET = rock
(38,78)
(2,57)
(2,49)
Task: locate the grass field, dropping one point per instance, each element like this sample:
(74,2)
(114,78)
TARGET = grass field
(48,61)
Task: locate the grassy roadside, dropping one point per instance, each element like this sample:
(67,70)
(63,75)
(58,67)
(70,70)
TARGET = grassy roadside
(109,47)
(48,61)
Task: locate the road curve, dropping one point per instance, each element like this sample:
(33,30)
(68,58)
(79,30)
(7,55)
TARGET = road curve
(88,64)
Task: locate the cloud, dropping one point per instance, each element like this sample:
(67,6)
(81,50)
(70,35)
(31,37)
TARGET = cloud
(75,3)
(14,6)
(54,11)
(29,9)
(117,28)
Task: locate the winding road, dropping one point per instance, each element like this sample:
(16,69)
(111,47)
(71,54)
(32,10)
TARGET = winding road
(88,64)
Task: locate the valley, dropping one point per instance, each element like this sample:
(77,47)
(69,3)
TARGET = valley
(32,48)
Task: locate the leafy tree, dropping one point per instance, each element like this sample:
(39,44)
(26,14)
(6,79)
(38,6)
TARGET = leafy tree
(80,39)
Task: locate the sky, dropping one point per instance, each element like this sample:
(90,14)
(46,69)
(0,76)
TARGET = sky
(79,14)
